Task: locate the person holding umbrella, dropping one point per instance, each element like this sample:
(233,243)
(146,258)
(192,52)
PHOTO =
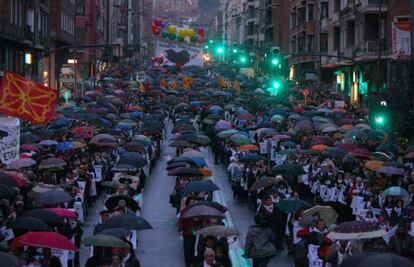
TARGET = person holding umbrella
(402,243)
(259,242)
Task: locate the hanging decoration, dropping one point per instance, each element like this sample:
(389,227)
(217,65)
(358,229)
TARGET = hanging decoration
(173,33)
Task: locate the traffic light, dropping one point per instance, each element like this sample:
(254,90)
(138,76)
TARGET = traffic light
(275,61)
(379,120)
(235,50)
(220,50)
(243,59)
(206,46)
(274,87)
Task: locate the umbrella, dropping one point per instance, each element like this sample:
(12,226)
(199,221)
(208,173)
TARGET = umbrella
(292,205)
(9,260)
(249,148)
(200,186)
(289,144)
(113,201)
(130,222)
(336,152)
(390,170)
(288,152)
(263,183)
(48,142)
(134,146)
(211,204)
(40,189)
(132,159)
(103,240)
(251,158)
(201,140)
(206,172)
(239,140)
(180,144)
(202,211)
(176,165)
(319,148)
(396,191)
(246,117)
(348,147)
(218,230)
(409,155)
(29,138)
(11,180)
(27,147)
(142,138)
(64,213)
(289,170)
(361,152)
(197,161)
(117,232)
(375,259)
(52,163)
(374,165)
(44,240)
(390,148)
(186,172)
(227,133)
(21,163)
(88,132)
(277,118)
(45,215)
(192,153)
(5,191)
(54,196)
(328,214)
(126,124)
(103,140)
(355,230)
(29,223)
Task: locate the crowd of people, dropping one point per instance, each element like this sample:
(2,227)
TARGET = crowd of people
(322,183)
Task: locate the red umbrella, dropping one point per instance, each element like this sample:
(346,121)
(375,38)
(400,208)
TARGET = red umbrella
(64,213)
(323,140)
(44,240)
(348,147)
(12,178)
(246,117)
(27,147)
(85,131)
(361,152)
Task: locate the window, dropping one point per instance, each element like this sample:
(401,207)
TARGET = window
(302,44)
(310,12)
(324,10)
(310,38)
(80,8)
(337,5)
(337,38)
(323,43)
(350,34)
(293,19)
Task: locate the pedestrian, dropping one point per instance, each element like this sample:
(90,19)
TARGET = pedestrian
(259,242)
(401,243)
(209,258)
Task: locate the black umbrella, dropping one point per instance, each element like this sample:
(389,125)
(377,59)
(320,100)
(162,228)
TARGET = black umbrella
(180,144)
(251,158)
(185,171)
(212,204)
(390,148)
(133,159)
(45,215)
(178,165)
(112,202)
(201,186)
(29,138)
(5,191)
(29,223)
(117,232)
(54,196)
(9,260)
(376,259)
(130,222)
(202,211)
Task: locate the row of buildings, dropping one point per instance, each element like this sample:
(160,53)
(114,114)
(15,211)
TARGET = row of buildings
(368,41)
(34,34)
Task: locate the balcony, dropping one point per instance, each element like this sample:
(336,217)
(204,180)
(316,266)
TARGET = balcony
(372,6)
(371,48)
(28,35)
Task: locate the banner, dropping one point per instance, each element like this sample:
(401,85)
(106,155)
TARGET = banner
(401,40)
(9,139)
(180,54)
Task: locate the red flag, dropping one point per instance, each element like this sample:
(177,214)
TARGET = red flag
(147,87)
(26,99)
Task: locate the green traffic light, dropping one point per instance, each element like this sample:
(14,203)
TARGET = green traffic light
(276,85)
(235,50)
(379,120)
(243,59)
(275,61)
(210,41)
(206,47)
(220,50)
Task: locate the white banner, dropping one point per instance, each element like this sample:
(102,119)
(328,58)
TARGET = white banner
(179,54)
(9,139)
(401,40)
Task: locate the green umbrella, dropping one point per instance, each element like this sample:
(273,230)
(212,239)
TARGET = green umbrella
(288,152)
(289,170)
(227,133)
(201,140)
(239,141)
(292,205)
(101,240)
